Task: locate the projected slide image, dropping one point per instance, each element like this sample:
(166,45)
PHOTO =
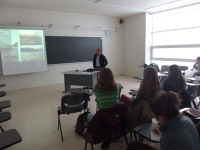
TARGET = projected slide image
(31,53)
(28,37)
(9,53)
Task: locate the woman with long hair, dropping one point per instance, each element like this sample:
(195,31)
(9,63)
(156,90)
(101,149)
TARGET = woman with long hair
(106,89)
(175,80)
(107,95)
(177,131)
(148,87)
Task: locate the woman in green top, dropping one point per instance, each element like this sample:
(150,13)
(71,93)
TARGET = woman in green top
(106,89)
(107,95)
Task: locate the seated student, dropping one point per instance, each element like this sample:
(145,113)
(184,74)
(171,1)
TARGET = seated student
(178,132)
(107,94)
(106,89)
(148,87)
(197,66)
(175,80)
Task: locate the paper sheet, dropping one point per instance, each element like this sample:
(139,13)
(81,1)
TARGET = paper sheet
(155,137)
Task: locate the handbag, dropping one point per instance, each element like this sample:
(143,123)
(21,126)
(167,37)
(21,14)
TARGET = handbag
(81,123)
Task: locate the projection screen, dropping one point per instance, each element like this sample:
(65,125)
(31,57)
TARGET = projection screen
(22,51)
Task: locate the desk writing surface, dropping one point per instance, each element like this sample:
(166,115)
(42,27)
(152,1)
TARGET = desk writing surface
(194,79)
(80,72)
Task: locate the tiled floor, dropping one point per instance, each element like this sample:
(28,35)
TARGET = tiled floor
(34,115)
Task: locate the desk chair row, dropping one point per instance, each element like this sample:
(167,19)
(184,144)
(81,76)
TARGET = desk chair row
(9,137)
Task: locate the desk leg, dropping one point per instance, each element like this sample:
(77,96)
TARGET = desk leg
(135,136)
(67,86)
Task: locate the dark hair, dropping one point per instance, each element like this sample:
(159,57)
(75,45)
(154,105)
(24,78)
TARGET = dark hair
(150,84)
(175,76)
(198,58)
(165,104)
(106,82)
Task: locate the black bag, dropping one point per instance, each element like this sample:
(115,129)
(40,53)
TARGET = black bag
(155,66)
(81,123)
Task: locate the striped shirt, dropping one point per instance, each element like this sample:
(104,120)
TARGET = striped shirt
(106,100)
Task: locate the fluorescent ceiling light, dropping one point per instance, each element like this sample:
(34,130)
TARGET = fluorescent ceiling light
(173,5)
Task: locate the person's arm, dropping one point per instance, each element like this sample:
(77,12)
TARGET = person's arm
(165,144)
(105,61)
(195,66)
(94,61)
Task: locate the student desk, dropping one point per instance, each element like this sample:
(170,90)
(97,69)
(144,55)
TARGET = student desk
(80,78)
(145,132)
(159,75)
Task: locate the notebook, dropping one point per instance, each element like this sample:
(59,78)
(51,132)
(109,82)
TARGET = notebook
(193,112)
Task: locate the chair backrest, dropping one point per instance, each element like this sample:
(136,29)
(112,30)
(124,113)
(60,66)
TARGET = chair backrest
(192,90)
(155,66)
(183,68)
(120,89)
(164,68)
(74,102)
(107,123)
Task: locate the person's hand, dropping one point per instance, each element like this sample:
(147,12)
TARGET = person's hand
(156,130)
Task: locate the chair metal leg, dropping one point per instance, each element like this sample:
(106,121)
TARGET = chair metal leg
(60,128)
(85,145)
(58,122)
(131,136)
(135,136)
(92,146)
(1,129)
(126,140)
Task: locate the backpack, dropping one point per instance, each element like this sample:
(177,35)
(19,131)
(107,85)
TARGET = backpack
(155,66)
(81,123)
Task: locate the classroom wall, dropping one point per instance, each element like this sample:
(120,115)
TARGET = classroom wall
(136,43)
(112,46)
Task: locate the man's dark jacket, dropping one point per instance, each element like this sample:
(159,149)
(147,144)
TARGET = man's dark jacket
(102,61)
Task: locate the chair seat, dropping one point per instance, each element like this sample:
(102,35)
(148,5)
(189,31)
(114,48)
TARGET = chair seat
(5,104)
(134,93)
(4,116)
(9,138)
(135,89)
(2,93)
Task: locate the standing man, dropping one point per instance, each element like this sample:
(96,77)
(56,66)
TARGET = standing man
(99,60)
(197,66)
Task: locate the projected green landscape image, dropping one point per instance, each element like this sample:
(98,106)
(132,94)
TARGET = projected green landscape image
(21,45)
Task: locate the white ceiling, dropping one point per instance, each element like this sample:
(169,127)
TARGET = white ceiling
(116,8)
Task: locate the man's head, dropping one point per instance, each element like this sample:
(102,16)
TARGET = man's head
(198,60)
(98,51)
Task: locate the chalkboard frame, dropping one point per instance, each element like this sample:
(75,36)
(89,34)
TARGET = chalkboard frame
(84,37)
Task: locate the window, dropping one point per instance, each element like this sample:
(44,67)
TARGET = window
(176,37)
